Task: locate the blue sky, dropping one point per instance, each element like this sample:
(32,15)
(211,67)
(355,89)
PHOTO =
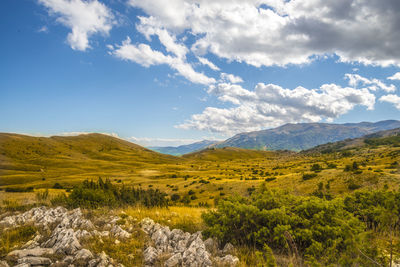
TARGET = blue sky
(171,72)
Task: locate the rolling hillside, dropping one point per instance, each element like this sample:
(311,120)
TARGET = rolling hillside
(305,135)
(23,158)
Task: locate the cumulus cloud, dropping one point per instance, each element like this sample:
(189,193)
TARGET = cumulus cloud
(144,55)
(84,18)
(231,78)
(281,32)
(395,76)
(270,105)
(372,84)
(393,99)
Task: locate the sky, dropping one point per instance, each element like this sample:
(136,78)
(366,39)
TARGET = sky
(174,72)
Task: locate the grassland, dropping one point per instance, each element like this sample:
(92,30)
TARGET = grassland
(208,175)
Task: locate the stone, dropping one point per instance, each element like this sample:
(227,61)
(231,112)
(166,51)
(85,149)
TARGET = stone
(228,249)
(63,241)
(174,260)
(120,233)
(211,245)
(83,254)
(3,264)
(227,260)
(36,252)
(32,261)
(150,255)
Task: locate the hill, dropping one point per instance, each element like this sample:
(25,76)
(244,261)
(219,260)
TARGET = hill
(23,158)
(229,153)
(388,137)
(303,136)
(184,149)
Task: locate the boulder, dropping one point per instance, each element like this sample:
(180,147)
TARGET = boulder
(34,261)
(83,255)
(227,260)
(228,249)
(174,260)
(63,241)
(150,255)
(36,252)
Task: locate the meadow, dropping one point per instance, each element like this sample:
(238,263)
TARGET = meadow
(204,187)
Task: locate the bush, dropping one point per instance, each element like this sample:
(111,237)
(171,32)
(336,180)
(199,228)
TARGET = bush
(99,194)
(175,197)
(266,217)
(316,168)
(19,189)
(270,179)
(57,186)
(308,176)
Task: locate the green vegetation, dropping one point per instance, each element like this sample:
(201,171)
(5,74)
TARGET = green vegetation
(323,231)
(99,194)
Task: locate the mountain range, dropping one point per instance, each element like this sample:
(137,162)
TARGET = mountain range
(295,137)
(184,149)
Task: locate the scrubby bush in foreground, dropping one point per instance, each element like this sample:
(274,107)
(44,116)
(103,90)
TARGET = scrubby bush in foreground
(323,231)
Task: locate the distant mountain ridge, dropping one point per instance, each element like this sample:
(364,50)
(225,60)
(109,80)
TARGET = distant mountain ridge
(184,149)
(303,136)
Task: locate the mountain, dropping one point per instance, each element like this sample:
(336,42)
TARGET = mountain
(184,149)
(305,135)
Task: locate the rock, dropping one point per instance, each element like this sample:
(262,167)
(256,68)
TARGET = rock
(174,260)
(32,261)
(22,265)
(150,255)
(227,260)
(196,254)
(63,241)
(120,233)
(211,245)
(60,264)
(83,255)
(3,264)
(228,249)
(36,252)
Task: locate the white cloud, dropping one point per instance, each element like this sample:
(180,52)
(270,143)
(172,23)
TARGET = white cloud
(43,29)
(144,55)
(208,63)
(270,105)
(372,84)
(231,78)
(84,18)
(393,99)
(281,32)
(395,76)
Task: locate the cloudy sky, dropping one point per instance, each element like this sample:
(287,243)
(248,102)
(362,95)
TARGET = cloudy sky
(162,72)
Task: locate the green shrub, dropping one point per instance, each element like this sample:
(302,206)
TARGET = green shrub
(316,225)
(308,176)
(92,194)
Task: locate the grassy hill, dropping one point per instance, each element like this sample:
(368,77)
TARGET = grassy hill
(36,160)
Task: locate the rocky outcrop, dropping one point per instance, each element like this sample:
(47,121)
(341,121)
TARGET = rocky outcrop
(67,230)
(182,249)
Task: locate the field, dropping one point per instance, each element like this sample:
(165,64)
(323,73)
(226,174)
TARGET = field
(62,162)
(322,197)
